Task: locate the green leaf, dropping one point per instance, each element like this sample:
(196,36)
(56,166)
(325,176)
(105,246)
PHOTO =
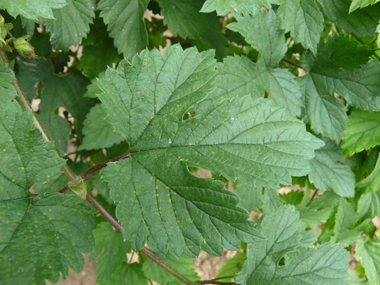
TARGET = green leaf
(369,205)
(327,115)
(125,24)
(326,264)
(363,132)
(222,7)
(264,33)
(240,76)
(318,210)
(337,52)
(304,20)
(361,4)
(329,173)
(293,197)
(58,91)
(37,226)
(112,249)
(183,265)
(7,89)
(368,251)
(66,32)
(282,229)
(345,232)
(271,200)
(361,22)
(372,182)
(309,238)
(93,88)
(128,274)
(98,133)
(184,18)
(354,279)
(32,9)
(99,51)
(227,139)
(232,266)
(250,195)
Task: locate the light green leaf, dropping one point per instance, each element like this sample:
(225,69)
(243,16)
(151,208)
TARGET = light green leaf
(361,4)
(318,211)
(222,7)
(183,265)
(304,20)
(65,31)
(250,195)
(37,226)
(327,115)
(368,251)
(354,279)
(282,229)
(7,90)
(184,18)
(98,133)
(329,173)
(363,132)
(145,103)
(32,9)
(326,264)
(293,197)
(309,238)
(112,249)
(125,24)
(345,232)
(264,33)
(128,274)
(369,205)
(372,182)
(232,266)
(99,51)
(361,22)
(271,200)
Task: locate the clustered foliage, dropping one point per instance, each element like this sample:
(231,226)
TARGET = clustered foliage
(128,105)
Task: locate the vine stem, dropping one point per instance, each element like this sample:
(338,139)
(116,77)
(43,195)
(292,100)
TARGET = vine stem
(292,63)
(145,250)
(73,178)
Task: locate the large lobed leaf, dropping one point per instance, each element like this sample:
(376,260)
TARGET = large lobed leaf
(53,230)
(240,138)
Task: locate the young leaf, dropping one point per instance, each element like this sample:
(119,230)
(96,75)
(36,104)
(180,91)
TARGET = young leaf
(363,132)
(182,265)
(98,133)
(222,7)
(304,20)
(184,18)
(356,4)
(361,22)
(329,173)
(38,226)
(345,232)
(368,251)
(163,145)
(32,9)
(369,205)
(114,254)
(7,90)
(233,266)
(264,33)
(64,31)
(125,24)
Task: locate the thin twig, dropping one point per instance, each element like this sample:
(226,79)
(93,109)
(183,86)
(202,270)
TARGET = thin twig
(145,250)
(292,63)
